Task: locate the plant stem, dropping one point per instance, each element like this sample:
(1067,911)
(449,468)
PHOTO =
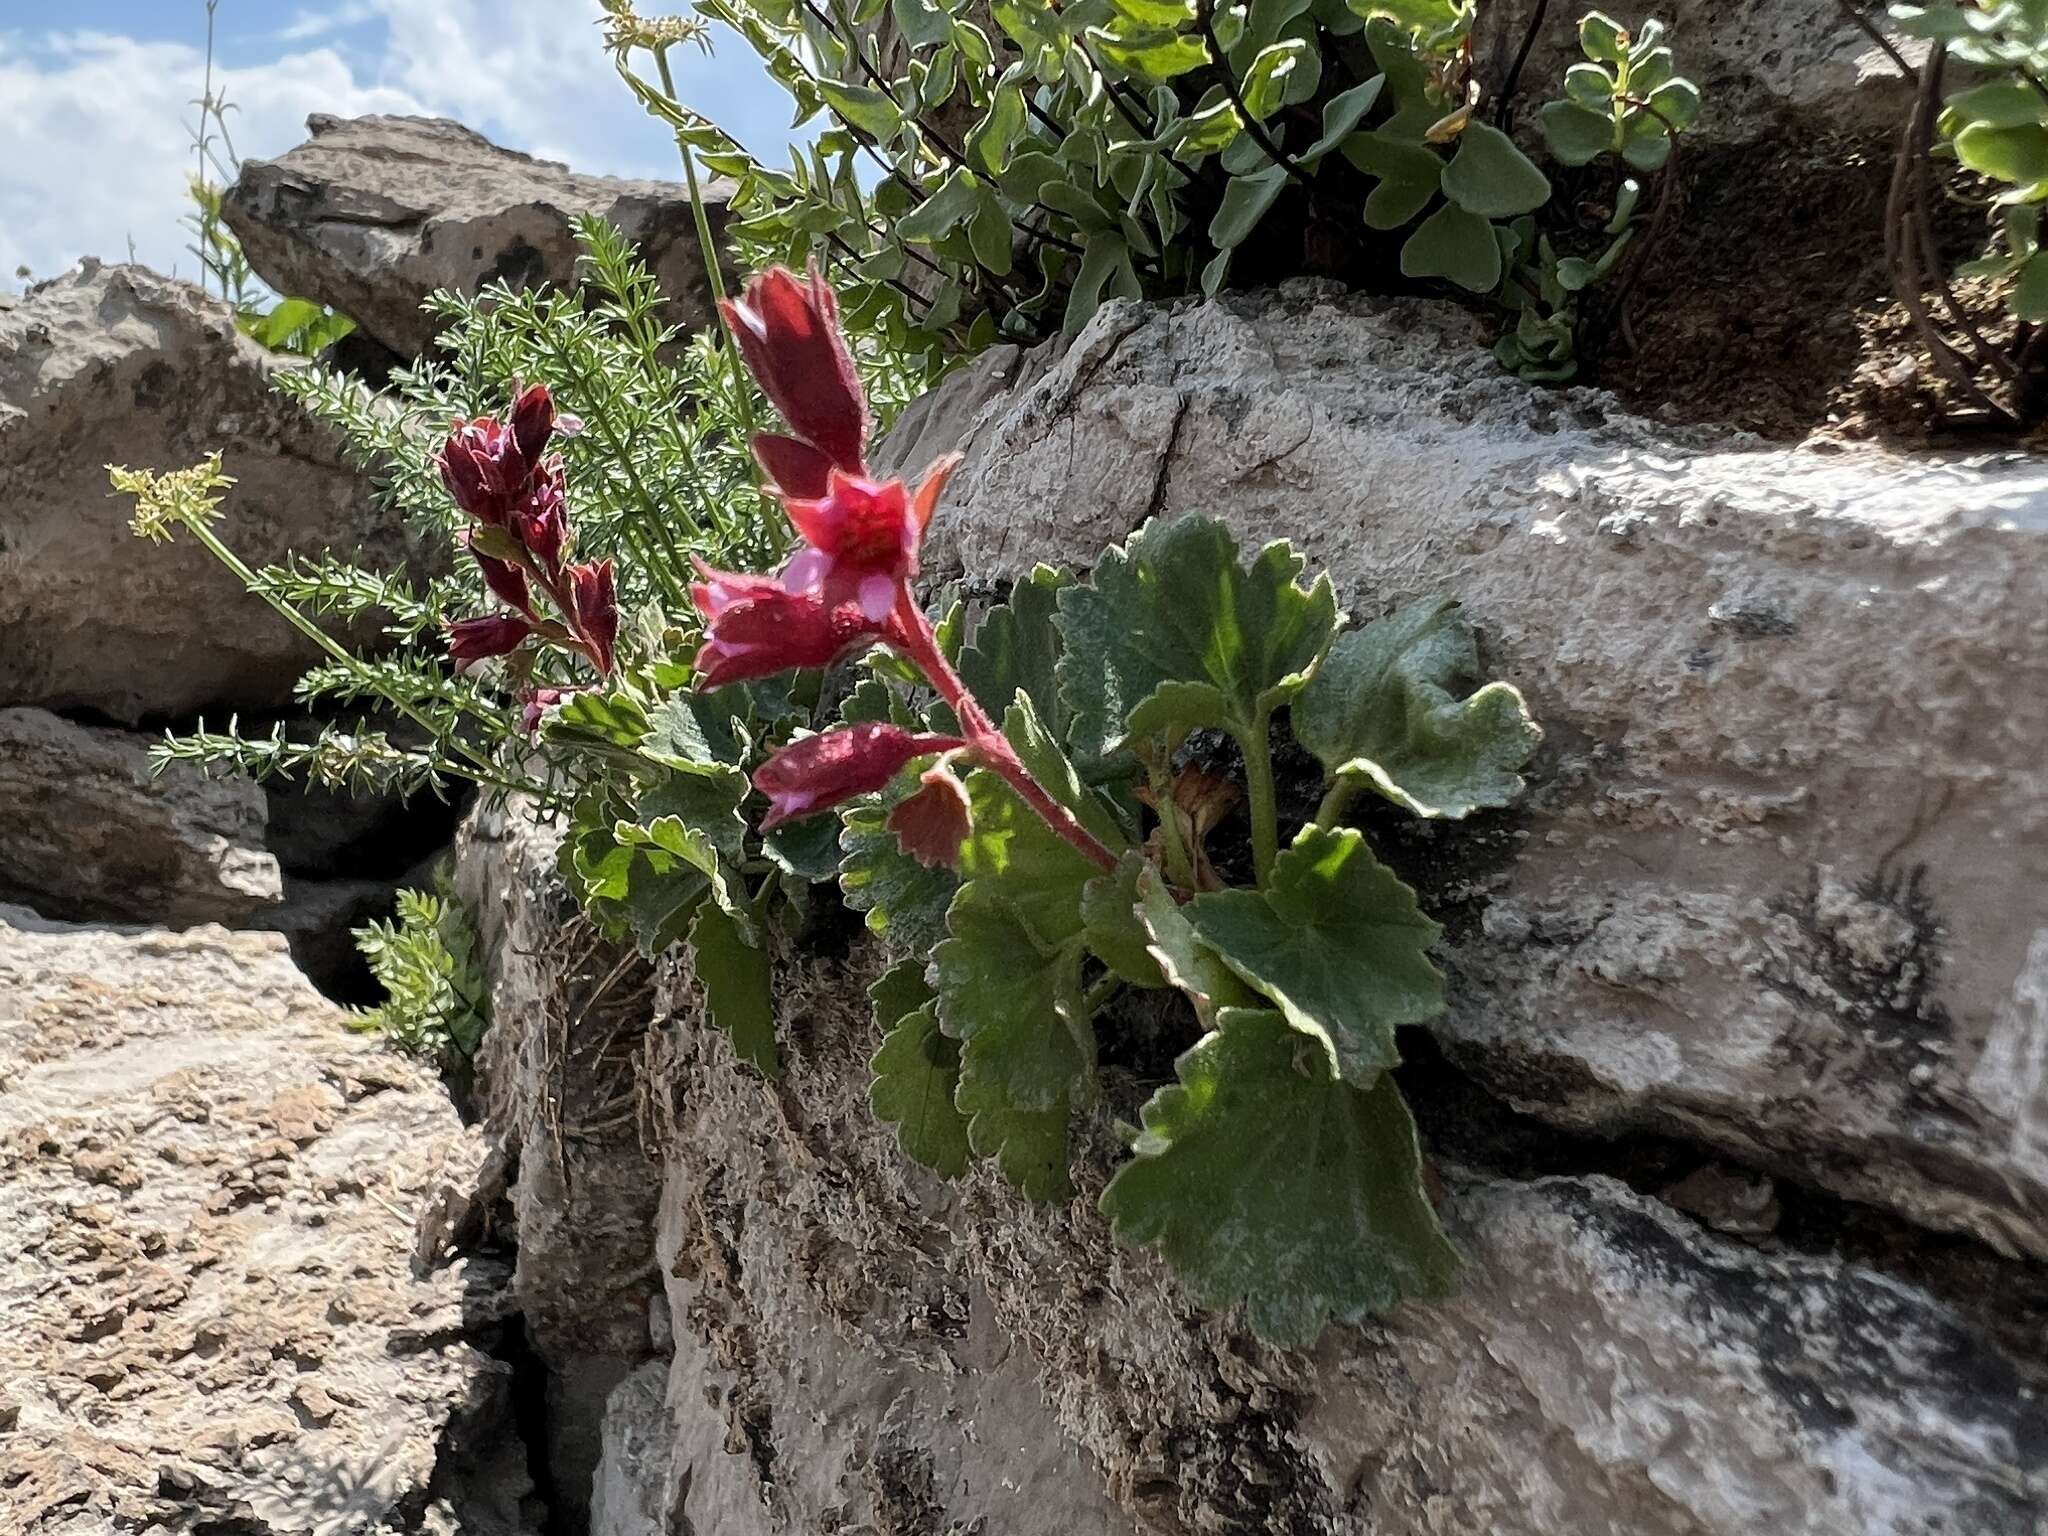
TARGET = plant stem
(1258,784)
(743,397)
(1205,18)
(1337,802)
(482,774)
(912,635)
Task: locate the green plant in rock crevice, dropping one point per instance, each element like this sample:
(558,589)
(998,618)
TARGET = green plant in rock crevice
(989,787)
(1005,180)
(436,998)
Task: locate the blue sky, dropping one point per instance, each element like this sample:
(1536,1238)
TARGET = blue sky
(93,145)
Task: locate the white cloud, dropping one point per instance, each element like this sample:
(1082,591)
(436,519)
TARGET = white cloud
(94,148)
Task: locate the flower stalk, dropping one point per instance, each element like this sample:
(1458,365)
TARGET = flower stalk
(849,587)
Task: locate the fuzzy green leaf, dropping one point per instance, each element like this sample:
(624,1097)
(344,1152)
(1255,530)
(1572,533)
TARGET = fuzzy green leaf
(739,986)
(1489,176)
(1172,633)
(1337,942)
(917,1070)
(1183,959)
(1409,174)
(1577,134)
(1383,709)
(1008,976)
(1246,200)
(1116,936)
(904,901)
(866,109)
(1017,645)
(1455,244)
(1265,1180)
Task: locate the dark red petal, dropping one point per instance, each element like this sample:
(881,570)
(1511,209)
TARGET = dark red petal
(794,468)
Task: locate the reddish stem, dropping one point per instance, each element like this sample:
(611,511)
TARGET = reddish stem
(912,635)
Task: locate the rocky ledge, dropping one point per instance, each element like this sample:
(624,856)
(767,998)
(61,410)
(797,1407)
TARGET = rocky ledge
(221,1316)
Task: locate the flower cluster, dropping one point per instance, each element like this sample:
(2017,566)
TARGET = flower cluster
(847,588)
(503,478)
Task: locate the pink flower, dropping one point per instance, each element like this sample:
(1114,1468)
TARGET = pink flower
(931,824)
(861,539)
(531,424)
(788,332)
(756,627)
(473,640)
(538,703)
(815,773)
(595,601)
(794,468)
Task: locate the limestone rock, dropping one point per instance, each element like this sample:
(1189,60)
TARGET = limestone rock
(858,1342)
(372,214)
(1779,885)
(558,1085)
(214,1321)
(633,1474)
(118,365)
(89,833)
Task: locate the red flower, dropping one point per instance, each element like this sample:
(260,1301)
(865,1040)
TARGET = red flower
(815,773)
(540,520)
(473,640)
(794,468)
(862,539)
(506,580)
(755,627)
(595,600)
(931,825)
(788,332)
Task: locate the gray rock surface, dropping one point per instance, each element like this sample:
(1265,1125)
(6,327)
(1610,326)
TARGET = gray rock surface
(859,1347)
(626,1498)
(118,365)
(214,1318)
(89,833)
(1782,883)
(558,1084)
(372,214)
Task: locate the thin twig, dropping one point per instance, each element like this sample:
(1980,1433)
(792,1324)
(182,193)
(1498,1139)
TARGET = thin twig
(1870,30)
(1205,18)
(1902,254)
(1504,109)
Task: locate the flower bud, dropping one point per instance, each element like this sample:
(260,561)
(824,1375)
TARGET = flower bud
(595,599)
(788,332)
(531,424)
(473,640)
(506,580)
(815,773)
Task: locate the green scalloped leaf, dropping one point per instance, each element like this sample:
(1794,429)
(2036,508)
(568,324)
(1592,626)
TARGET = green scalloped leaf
(1383,710)
(1017,645)
(904,901)
(1008,976)
(1337,942)
(739,986)
(1183,959)
(1265,1180)
(1172,633)
(917,1071)
(1116,935)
